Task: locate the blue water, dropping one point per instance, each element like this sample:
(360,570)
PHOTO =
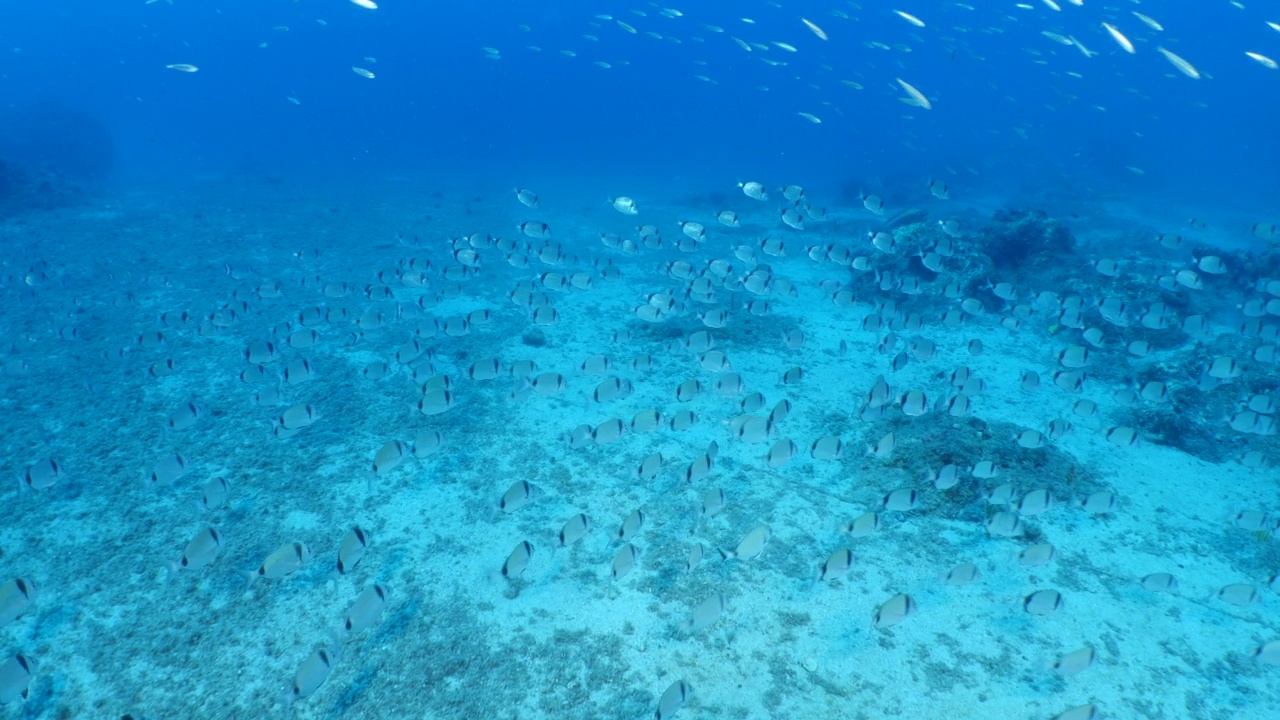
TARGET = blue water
(439,109)
(156,224)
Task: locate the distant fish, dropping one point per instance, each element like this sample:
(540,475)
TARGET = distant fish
(1119,37)
(1178,62)
(528,198)
(813,28)
(909,18)
(754,190)
(1149,22)
(914,96)
(624,205)
(183,67)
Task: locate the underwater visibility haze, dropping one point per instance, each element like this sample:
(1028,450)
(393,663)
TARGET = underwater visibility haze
(760,359)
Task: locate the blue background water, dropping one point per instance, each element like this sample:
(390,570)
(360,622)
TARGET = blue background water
(440,110)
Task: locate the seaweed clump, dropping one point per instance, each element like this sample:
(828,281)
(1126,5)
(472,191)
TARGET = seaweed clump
(1026,241)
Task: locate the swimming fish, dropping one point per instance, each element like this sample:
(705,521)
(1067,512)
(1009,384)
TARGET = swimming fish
(352,549)
(202,550)
(16,598)
(365,611)
(517,561)
(751,545)
(1042,602)
(42,474)
(15,678)
(574,529)
(282,562)
(893,611)
(706,613)
(673,699)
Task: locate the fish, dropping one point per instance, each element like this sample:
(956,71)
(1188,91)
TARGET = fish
(312,674)
(696,553)
(15,678)
(624,205)
(1268,653)
(962,574)
(624,561)
(282,562)
(909,18)
(16,598)
(893,611)
(1076,662)
(1240,594)
(169,469)
(1036,555)
(1042,602)
(42,474)
(201,551)
(1149,22)
(528,198)
(914,96)
(183,67)
(836,565)
(863,525)
(365,612)
(672,699)
(630,526)
(706,613)
(754,190)
(1181,64)
(363,72)
(900,500)
(518,560)
(352,548)
(1081,712)
(751,545)
(389,456)
(574,529)
(813,28)
(1119,37)
(1160,582)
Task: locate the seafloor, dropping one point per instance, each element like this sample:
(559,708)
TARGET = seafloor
(90,384)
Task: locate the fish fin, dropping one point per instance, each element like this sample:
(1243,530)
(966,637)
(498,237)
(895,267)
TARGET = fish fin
(728,554)
(172,569)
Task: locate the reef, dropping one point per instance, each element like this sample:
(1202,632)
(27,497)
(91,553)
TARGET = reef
(1027,241)
(51,156)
